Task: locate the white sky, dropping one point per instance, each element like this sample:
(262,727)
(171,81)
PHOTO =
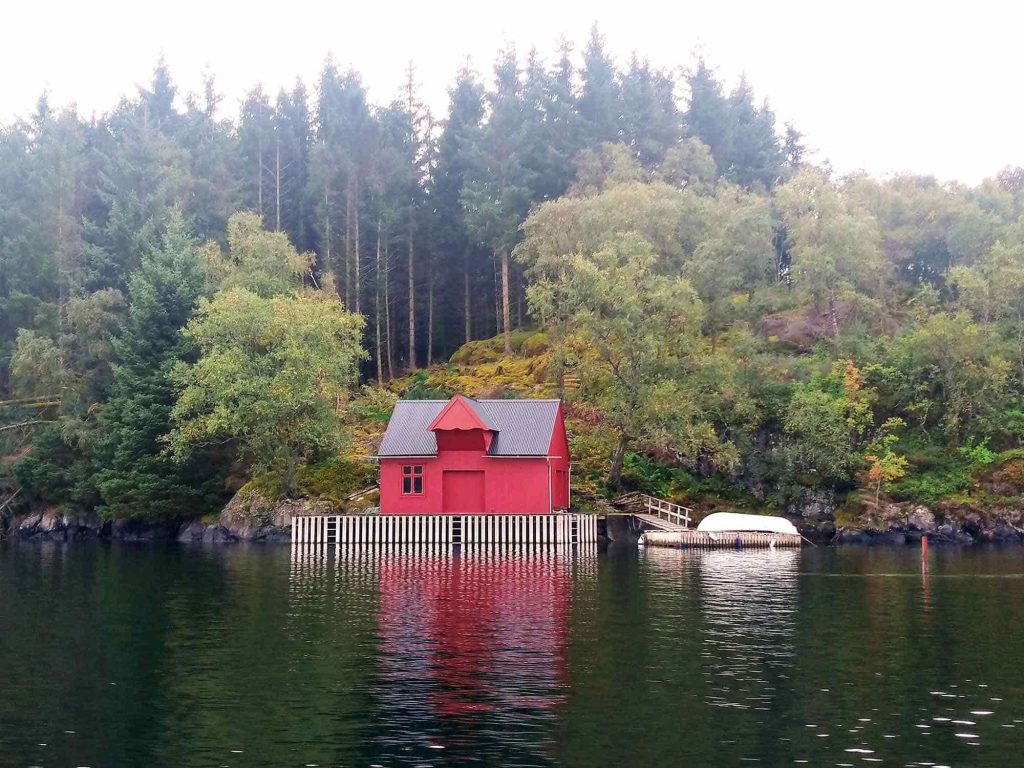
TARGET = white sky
(926,87)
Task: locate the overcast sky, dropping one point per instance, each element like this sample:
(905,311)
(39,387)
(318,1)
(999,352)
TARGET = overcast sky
(880,86)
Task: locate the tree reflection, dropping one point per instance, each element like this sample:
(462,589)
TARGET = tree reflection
(472,648)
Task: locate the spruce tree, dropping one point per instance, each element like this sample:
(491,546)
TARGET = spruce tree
(498,188)
(756,155)
(137,479)
(454,149)
(651,123)
(708,115)
(600,100)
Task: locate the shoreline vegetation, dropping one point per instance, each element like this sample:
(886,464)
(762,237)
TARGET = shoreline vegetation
(205,323)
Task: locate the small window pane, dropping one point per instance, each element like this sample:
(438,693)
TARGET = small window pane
(406,485)
(417,485)
(417,470)
(406,470)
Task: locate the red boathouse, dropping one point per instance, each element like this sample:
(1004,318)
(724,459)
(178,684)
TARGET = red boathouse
(466,456)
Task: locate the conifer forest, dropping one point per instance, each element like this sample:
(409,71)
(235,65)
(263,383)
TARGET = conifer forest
(196,298)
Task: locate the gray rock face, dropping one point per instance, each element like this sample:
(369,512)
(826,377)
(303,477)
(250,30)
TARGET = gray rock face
(921,519)
(250,517)
(50,524)
(903,523)
(813,504)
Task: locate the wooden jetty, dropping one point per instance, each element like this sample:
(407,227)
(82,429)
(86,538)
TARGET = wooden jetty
(556,528)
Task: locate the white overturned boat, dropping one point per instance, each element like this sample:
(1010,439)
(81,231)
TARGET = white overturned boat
(726,522)
(728,529)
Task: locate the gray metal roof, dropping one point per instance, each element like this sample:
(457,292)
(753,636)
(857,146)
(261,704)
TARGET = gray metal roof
(523,427)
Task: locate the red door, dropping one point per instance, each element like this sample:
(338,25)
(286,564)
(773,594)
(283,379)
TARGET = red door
(462,492)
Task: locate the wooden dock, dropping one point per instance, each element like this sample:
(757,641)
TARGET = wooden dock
(656,513)
(693,539)
(663,523)
(559,528)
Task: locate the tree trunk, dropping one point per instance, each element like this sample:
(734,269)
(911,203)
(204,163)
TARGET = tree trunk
(277,181)
(615,472)
(519,301)
(376,312)
(355,257)
(61,266)
(348,245)
(466,312)
(505,310)
(259,173)
(832,314)
(412,300)
(430,315)
(497,295)
(387,312)
(327,231)
(291,467)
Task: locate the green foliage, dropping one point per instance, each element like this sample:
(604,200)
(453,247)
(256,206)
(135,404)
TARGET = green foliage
(259,261)
(332,480)
(421,389)
(54,472)
(633,332)
(977,454)
(270,379)
(137,479)
(933,485)
(373,404)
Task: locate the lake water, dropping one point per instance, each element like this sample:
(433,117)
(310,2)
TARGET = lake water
(118,655)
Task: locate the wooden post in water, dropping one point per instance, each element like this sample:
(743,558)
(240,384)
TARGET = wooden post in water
(924,554)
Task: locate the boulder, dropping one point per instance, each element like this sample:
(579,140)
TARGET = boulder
(251,517)
(921,519)
(192,530)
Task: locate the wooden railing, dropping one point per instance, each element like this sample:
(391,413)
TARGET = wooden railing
(666,510)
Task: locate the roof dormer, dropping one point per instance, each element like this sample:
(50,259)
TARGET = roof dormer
(460,427)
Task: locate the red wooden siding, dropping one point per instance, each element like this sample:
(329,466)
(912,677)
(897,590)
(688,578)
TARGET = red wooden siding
(464,478)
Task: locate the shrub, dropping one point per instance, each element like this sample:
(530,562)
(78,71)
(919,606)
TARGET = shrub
(331,480)
(933,485)
(535,344)
(374,404)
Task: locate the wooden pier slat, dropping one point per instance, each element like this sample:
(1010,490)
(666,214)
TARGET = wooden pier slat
(556,528)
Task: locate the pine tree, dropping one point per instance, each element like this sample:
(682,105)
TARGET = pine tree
(256,146)
(342,158)
(651,123)
(137,478)
(142,172)
(211,146)
(292,144)
(600,99)
(708,113)
(756,157)
(497,191)
(455,145)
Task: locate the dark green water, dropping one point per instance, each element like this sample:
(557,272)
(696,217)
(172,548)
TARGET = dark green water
(114,655)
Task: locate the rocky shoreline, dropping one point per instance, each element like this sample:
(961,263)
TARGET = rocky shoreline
(250,517)
(817,517)
(247,517)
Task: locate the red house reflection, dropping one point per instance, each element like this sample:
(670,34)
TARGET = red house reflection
(486,631)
